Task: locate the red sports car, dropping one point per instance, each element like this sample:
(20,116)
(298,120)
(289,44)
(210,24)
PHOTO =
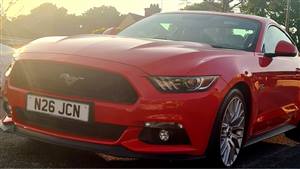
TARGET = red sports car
(179,85)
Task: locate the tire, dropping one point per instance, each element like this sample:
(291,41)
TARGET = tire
(293,134)
(229,130)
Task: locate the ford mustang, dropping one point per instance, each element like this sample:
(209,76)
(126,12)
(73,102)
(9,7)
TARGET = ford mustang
(178,85)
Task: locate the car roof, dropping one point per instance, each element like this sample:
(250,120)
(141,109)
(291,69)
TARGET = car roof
(252,17)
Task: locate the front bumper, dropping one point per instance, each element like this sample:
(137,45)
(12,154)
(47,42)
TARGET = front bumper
(7,125)
(195,111)
(118,151)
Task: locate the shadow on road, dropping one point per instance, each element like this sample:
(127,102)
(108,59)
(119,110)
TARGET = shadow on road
(268,154)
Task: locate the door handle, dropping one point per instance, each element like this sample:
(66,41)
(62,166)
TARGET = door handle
(297,69)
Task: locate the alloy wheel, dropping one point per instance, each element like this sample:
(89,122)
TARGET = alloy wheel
(232,131)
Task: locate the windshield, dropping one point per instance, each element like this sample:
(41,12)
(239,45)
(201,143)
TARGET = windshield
(215,30)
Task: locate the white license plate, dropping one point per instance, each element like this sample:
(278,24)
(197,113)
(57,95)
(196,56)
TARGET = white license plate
(59,108)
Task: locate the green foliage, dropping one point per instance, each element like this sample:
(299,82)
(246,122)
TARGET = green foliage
(205,6)
(215,5)
(104,16)
(267,8)
(49,20)
(295,20)
(276,10)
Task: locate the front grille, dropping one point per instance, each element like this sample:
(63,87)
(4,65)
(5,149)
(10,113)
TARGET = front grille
(59,78)
(71,127)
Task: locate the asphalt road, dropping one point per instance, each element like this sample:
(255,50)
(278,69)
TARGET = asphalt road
(18,152)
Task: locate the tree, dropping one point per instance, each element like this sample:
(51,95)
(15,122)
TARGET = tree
(276,10)
(266,8)
(294,21)
(100,17)
(50,20)
(216,5)
(3,15)
(228,6)
(45,20)
(205,6)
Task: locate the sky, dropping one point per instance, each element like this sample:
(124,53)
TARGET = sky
(79,6)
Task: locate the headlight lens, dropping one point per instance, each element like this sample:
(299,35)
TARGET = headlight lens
(183,84)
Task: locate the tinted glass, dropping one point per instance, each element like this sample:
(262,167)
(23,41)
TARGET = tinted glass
(215,30)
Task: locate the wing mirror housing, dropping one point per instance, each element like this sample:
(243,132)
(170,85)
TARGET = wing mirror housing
(283,48)
(111,31)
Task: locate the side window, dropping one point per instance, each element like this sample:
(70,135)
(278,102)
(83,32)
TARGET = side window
(272,37)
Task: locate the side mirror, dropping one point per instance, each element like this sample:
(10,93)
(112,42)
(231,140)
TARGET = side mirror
(284,48)
(110,31)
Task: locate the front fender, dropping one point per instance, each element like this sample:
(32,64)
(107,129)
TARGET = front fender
(234,70)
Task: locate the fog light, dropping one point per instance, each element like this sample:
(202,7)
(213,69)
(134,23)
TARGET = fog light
(164,135)
(167,133)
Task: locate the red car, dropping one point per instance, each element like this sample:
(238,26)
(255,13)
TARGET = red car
(181,85)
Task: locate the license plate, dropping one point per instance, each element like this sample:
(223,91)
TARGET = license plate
(59,108)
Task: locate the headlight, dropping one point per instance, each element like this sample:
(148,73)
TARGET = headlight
(183,84)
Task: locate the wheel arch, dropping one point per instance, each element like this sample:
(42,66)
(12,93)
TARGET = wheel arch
(246,90)
(243,88)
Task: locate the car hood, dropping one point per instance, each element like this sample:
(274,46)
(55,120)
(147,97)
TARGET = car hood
(151,56)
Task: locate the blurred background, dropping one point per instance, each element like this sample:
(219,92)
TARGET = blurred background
(25,20)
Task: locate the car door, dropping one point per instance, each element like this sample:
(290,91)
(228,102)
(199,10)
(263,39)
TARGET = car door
(278,94)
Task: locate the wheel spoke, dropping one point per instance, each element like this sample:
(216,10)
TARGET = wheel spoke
(227,119)
(224,146)
(224,126)
(238,112)
(237,135)
(238,122)
(232,110)
(233,151)
(238,106)
(237,139)
(223,135)
(226,153)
